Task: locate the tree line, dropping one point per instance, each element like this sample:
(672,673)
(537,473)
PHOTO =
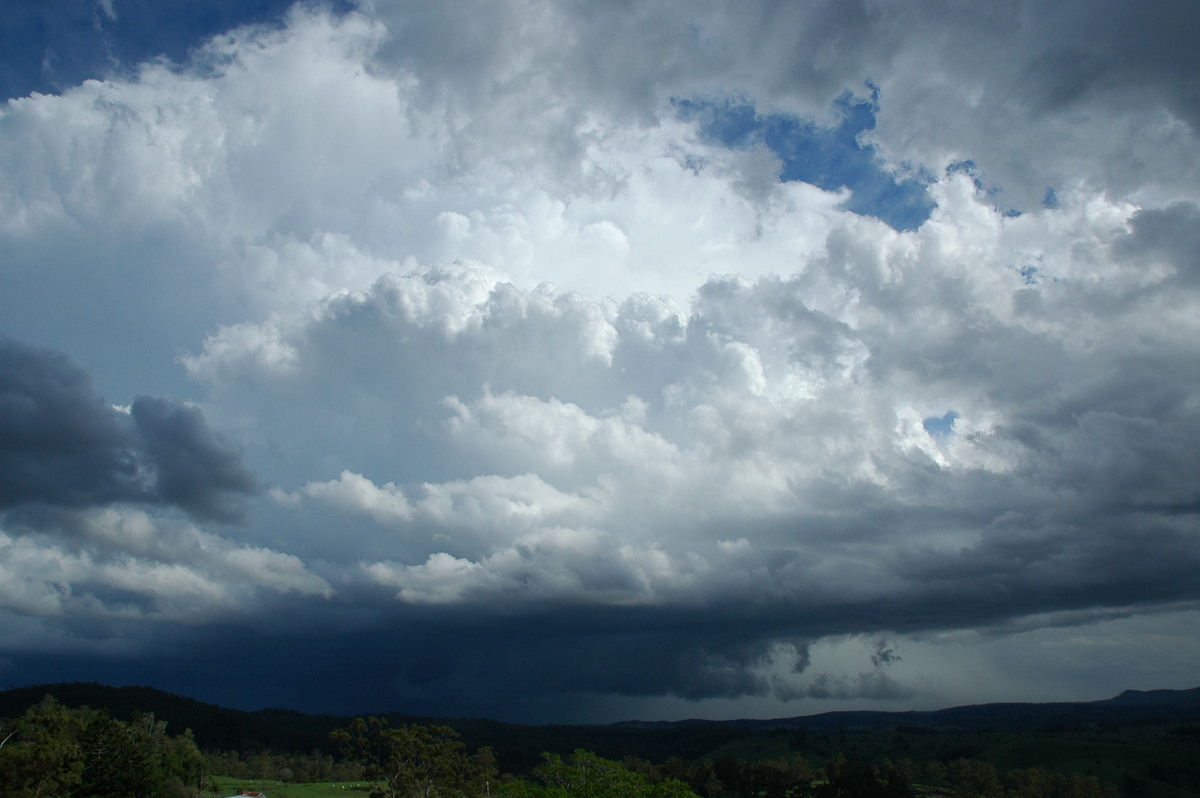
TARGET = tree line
(412,761)
(57,752)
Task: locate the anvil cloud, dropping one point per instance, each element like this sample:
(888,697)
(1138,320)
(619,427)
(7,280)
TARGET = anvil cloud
(569,361)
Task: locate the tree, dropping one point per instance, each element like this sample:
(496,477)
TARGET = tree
(852,779)
(183,764)
(114,764)
(56,752)
(43,759)
(414,761)
(769,779)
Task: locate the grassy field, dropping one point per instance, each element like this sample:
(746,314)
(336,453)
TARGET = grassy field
(278,789)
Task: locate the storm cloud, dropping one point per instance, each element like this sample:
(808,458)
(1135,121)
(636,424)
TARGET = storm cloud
(61,445)
(554,361)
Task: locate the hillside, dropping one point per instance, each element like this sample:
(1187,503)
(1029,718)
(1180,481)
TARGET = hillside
(1135,707)
(1135,735)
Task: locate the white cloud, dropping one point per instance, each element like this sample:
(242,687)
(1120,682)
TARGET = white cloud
(552,564)
(125,563)
(351,491)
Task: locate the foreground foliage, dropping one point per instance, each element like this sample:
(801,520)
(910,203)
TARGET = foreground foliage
(55,752)
(416,761)
(840,777)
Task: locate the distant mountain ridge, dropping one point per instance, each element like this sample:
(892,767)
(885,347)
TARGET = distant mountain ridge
(1129,707)
(1155,698)
(286,730)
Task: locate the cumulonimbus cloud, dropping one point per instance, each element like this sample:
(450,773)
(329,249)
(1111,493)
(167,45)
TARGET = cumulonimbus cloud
(561,396)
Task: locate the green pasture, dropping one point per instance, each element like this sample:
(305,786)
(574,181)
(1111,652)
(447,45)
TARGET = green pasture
(222,786)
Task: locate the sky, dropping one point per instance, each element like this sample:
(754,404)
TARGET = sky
(583,362)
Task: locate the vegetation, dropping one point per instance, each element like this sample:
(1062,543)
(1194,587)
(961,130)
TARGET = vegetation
(55,752)
(278,789)
(414,761)
(585,775)
(51,749)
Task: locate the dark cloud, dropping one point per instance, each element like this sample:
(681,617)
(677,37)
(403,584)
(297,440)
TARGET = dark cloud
(802,659)
(874,685)
(883,655)
(194,467)
(59,442)
(62,445)
(1116,48)
(1171,234)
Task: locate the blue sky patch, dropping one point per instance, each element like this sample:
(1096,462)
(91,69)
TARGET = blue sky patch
(941,427)
(830,158)
(50,47)
(972,170)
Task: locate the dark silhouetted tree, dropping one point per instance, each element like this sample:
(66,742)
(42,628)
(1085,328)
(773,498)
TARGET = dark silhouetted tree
(413,761)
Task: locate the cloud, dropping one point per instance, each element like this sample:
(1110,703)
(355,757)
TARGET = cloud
(614,480)
(874,685)
(62,443)
(950,79)
(194,467)
(386,504)
(63,446)
(564,398)
(882,655)
(832,158)
(124,564)
(1165,235)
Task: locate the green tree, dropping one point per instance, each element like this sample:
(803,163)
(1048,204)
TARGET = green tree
(770,779)
(114,765)
(56,752)
(974,778)
(43,758)
(852,779)
(183,763)
(413,761)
